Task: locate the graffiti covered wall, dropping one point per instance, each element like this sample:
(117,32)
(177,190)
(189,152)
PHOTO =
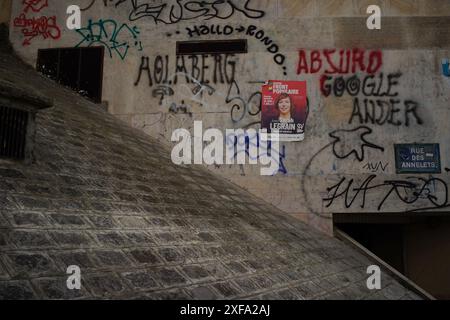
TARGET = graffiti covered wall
(367,90)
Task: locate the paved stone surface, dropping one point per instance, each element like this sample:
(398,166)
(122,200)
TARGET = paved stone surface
(107,198)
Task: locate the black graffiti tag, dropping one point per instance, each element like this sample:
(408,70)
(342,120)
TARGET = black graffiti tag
(253,31)
(240,106)
(174,11)
(206,69)
(413,189)
(105,3)
(185,10)
(162,91)
(343,148)
(375,167)
(342,139)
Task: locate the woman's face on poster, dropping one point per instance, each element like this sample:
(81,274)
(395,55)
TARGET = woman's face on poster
(284,105)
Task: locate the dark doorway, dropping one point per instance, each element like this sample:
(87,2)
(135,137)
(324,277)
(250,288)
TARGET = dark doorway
(80,69)
(417,245)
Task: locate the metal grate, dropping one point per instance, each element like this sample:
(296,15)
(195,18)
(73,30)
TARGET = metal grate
(13,133)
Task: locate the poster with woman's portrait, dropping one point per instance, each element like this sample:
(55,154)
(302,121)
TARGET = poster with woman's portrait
(284,108)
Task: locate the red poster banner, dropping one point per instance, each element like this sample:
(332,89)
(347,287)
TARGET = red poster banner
(284,108)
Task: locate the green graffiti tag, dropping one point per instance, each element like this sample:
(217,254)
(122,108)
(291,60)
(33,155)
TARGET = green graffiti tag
(116,39)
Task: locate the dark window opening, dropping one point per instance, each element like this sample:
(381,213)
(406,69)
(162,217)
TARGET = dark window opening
(13,133)
(80,69)
(413,244)
(211,47)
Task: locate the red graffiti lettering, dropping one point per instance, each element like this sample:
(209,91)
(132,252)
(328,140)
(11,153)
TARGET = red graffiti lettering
(34,5)
(358,60)
(375,62)
(33,27)
(332,61)
(316,62)
(303,63)
(328,55)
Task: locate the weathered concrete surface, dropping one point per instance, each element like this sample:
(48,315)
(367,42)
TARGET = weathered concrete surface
(414,38)
(107,198)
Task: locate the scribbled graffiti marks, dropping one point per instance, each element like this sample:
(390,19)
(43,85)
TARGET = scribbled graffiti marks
(354,141)
(183,108)
(445,68)
(33,27)
(376,167)
(174,11)
(243,144)
(193,90)
(161,92)
(34,5)
(343,144)
(241,106)
(185,10)
(408,191)
(105,3)
(198,92)
(117,39)
(194,78)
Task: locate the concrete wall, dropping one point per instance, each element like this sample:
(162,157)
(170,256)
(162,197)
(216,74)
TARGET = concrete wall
(5,11)
(414,38)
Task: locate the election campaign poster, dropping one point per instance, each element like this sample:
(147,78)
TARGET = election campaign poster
(284,109)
